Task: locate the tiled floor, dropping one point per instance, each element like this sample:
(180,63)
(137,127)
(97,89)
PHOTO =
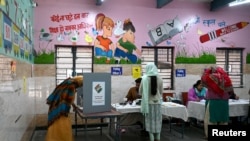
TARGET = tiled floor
(134,133)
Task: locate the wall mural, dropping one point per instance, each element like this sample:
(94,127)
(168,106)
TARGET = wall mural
(222,31)
(107,51)
(120,52)
(104,46)
(16,30)
(116,39)
(165,31)
(67,29)
(126,51)
(173,27)
(173,32)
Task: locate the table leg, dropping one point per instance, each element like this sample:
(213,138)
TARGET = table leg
(85,127)
(110,124)
(101,126)
(170,124)
(144,126)
(76,123)
(182,129)
(117,129)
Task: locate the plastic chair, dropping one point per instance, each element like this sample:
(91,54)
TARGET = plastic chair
(164,96)
(184,98)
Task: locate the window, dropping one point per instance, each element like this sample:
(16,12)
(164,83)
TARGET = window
(163,59)
(231,59)
(72,60)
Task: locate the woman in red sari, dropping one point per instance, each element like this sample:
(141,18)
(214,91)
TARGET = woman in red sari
(218,84)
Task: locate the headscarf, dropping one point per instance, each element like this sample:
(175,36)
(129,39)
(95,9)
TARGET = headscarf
(201,93)
(62,97)
(150,70)
(216,79)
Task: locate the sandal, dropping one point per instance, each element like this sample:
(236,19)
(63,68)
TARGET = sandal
(123,130)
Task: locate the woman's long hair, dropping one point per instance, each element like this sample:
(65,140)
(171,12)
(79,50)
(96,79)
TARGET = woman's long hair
(153,85)
(198,82)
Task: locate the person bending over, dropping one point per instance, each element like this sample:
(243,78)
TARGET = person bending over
(60,102)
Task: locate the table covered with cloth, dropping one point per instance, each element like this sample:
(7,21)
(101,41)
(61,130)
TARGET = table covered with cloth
(237,108)
(168,109)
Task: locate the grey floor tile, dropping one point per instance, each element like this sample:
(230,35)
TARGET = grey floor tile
(191,133)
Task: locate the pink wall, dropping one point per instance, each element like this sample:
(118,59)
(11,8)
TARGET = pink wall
(144,16)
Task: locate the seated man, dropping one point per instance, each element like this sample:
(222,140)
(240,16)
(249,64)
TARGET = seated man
(133,91)
(132,118)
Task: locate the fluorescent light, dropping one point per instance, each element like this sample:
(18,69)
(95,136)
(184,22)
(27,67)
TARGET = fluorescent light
(238,2)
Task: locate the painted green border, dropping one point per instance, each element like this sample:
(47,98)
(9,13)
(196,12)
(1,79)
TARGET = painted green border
(45,58)
(248,58)
(203,59)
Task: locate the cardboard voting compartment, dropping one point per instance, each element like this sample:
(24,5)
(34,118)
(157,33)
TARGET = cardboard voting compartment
(96,92)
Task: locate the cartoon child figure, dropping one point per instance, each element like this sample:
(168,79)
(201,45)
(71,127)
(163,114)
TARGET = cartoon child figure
(104,47)
(125,45)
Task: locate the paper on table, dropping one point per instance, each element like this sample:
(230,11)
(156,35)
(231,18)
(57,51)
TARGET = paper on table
(169,104)
(203,100)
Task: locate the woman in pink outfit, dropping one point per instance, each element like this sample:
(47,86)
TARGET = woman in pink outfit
(197,92)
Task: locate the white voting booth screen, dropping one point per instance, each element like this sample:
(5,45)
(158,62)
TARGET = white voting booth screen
(96,92)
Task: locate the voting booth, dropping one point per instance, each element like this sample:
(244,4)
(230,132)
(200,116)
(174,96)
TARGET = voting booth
(96,92)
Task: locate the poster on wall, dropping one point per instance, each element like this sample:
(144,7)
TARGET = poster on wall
(14,43)
(116,70)
(180,72)
(7,45)
(136,71)
(1,31)
(98,97)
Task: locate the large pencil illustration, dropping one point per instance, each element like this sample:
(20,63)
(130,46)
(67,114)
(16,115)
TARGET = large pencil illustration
(222,31)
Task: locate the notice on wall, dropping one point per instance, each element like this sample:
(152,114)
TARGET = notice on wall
(98,95)
(116,70)
(136,70)
(180,72)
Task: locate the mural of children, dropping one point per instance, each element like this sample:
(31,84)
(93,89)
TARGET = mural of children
(125,45)
(104,47)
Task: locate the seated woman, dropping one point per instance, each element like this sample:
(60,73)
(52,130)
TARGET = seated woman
(197,92)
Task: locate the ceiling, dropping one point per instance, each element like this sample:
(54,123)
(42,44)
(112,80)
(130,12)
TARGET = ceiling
(214,4)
